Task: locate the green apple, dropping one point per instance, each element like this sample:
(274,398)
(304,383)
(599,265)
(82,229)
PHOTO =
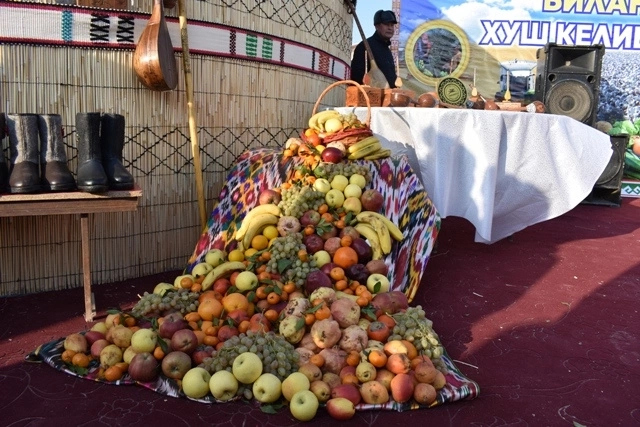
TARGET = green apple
(201,269)
(358,180)
(352,204)
(247,367)
(144,340)
(295,382)
(128,354)
(334,198)
(246,281)
(322,257)
(322,185)
(162,287)
(378,283)
(195,383)
(102,327)
(304,405)
(267,388)
(339,182)
(215,257)
(352,190)
(223,385)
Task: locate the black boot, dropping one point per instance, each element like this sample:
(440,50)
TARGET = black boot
(91,175)
(54,172)
(112,143)
(4,169)
(23,149)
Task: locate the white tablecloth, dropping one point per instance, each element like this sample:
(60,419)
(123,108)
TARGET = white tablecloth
(501,170)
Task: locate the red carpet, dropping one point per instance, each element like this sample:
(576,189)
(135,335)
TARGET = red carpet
(546,322)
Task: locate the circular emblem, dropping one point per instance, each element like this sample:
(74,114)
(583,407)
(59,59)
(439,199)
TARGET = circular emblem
(452,91)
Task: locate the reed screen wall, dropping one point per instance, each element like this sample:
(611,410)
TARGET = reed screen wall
(240,104)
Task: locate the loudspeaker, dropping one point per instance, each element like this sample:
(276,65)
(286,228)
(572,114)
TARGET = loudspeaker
(607,190)
(568,80)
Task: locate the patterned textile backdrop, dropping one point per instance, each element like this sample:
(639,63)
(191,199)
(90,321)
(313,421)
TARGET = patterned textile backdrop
(257,68)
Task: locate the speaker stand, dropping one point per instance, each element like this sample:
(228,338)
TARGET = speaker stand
(604,197)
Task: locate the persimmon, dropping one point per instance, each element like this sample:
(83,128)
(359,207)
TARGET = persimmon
(271,315)
(337,273)
(113,373)
(387,320)
(345,257)
(193,317)
(353,358)
(194,326)
(317,359)
(378,331)
(80,359)
(377,358)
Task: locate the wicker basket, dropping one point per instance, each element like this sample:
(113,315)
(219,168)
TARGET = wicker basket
(354,86)
(357,97)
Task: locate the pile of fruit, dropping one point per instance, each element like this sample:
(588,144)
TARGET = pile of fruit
(296,310)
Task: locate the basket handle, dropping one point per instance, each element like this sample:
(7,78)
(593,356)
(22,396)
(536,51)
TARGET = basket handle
(347,82)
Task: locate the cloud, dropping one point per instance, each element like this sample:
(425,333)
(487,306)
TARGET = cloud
(468,15)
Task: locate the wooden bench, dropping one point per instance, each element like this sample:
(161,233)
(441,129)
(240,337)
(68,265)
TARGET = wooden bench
(72,203)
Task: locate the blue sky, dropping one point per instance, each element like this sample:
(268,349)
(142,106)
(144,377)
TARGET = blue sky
(365,10)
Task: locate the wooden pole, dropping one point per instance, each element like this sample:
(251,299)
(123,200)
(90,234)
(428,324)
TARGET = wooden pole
(193,129)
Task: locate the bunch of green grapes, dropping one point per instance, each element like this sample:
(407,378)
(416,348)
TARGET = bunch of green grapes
(298,199)
(154,305)
(329,170)
(278,356)
(285,260)
(413,326)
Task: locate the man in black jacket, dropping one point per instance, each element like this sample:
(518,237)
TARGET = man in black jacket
(385,22)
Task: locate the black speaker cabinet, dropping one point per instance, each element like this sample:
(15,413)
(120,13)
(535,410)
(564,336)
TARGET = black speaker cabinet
(568,80)
(607,190)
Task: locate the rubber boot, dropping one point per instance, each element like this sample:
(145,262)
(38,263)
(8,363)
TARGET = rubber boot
(112,143)
(4,169)
(24,159)
(91,177)
(54,172)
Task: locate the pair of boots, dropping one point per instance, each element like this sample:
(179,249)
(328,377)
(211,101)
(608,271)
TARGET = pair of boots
(38,161)
(100,144)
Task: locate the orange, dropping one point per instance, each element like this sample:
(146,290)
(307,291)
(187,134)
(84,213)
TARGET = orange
(345,257)
(234,301)
(210,309)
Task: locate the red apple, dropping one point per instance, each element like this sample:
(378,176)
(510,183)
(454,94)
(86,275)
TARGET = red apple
(317,279)
(238,315)
(350,231)
(227,331)
(198,356)
(372,200)
(268,196)
(172,322)
(221,285)
(402,386)
(363,249)
(332,155)
(328,231)
(93,336)
(144,367)
(357,272)
(341,408)
(378,266)
(176,364)
(313,243)
(348,391)
(347,370)
(310,217)
(184,340)
(97,347)
(332,244)
(326,268)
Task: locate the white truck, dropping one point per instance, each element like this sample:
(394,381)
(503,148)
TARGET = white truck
(522,80)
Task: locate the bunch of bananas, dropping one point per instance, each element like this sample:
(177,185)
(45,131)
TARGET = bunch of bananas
(337,122)
(369,149)
(255,221)
(379,231)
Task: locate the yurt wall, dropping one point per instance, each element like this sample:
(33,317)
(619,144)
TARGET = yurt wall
(257,70)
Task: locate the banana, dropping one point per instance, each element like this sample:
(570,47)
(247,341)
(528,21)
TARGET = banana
(381,154)
(366,151)
(269,208)
(221,271)
(256,225)
(362,143)
(370,234)
(383,233)
(316,121)
(395,232)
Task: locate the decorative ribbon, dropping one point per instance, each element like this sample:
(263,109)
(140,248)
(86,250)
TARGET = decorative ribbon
(63,25)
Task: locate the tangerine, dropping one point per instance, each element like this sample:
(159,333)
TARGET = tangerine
(210,309)
(345,257)
(80,359)
(113,373)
